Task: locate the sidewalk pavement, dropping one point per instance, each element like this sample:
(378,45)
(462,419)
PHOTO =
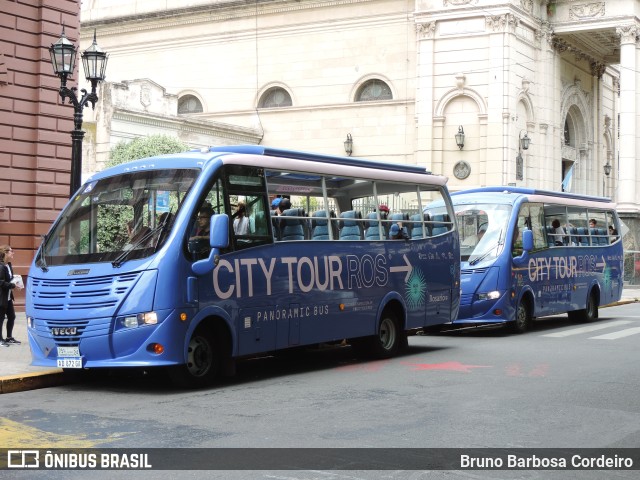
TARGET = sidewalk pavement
(17,374)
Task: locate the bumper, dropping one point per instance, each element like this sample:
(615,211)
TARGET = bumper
(103,348)
(487,311)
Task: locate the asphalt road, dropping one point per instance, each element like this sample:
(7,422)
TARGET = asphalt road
(561,385)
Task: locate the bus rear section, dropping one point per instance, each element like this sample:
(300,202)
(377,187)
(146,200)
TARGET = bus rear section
(528,253)
(247,251)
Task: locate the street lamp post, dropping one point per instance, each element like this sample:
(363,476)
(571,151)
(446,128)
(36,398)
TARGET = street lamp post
(63,58)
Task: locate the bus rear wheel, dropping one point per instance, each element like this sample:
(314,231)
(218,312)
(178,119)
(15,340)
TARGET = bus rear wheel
(389,339)
(523,319)
(204,360)
(587,314)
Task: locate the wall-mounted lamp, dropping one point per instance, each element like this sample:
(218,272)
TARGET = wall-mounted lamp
(460,137)
(607,169)
(348,145)
(524,141)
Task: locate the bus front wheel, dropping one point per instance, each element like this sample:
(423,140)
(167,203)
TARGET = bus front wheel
(204,360)
(522,322)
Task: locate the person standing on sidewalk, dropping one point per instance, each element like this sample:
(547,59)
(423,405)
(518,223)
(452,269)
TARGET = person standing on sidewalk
(6,295)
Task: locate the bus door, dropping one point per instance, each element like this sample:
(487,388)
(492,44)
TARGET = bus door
(238,284)
(538,274)
(440,278)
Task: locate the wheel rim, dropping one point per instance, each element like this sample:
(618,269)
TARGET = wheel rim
(199,357)
(387,333)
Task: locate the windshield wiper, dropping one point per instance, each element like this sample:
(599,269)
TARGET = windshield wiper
(163,227)
(117,263)
(41,260)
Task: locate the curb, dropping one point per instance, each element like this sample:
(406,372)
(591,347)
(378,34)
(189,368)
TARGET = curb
(33,381)
(623,302)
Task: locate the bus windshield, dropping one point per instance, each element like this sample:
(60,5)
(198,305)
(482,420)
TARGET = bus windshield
(118,218)
(483,228)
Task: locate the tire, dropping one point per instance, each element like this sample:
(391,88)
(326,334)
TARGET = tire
(587,314)
(523,319)
(204,362)
(390,338)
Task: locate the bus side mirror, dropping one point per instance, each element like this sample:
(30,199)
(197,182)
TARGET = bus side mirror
(218,238)
(527,240)
(527,246)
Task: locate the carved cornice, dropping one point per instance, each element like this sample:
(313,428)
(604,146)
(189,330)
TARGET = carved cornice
(544,33)
(627,33)
(426,30)
(597,68)
(586,11)
(500,23)
(527,5)
(562,46)
(183,124)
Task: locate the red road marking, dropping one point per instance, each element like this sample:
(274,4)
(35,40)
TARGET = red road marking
(367,367)
(454,366)
(515,370)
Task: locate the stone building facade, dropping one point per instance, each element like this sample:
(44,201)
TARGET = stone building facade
(35,126)
(402,77)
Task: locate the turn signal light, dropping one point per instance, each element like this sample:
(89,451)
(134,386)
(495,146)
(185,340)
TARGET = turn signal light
(156,348)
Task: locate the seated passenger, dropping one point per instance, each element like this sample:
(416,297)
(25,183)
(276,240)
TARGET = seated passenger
(136,235)
(558,232)
(241,221)
(398,232)
(199,242)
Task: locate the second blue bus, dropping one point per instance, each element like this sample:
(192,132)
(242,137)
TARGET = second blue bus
(528,253)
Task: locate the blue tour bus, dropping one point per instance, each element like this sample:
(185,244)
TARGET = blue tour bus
(191,261)
(529,253)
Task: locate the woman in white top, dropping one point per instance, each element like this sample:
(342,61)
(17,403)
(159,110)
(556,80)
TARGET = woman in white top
(241,222)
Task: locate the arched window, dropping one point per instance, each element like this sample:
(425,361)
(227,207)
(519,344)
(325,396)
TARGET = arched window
(373,90)
(189,104)
(275,97)
(567,133)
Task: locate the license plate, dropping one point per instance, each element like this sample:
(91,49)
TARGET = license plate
(68,352)
(69,362)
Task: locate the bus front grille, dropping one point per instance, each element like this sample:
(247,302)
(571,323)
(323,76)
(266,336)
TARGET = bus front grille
(97,294)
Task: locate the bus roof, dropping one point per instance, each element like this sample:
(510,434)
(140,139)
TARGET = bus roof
(198,158)
(317,157)
(548,195)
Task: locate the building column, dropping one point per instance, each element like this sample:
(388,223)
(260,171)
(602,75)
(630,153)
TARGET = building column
(546,116)
(629,105)
(425,33)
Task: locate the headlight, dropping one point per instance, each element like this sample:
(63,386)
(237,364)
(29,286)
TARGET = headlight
(132,321)
(149,318)
(489,295)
